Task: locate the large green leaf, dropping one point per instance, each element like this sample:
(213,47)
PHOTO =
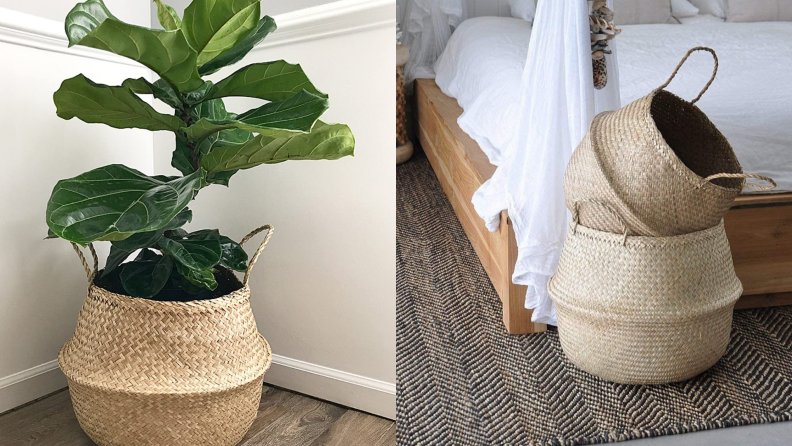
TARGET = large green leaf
(271,81)
(167,16)
(234,257)
(265,26)
(150,238)
(160,89)
(114,202)
(139,240)
(277,119)
(199,94)
(166,52)
(145,278)
(202,279)
(115,258)
(215,26)
(182,158)
(115,106)
(325,142)
(214,110)
(196,255)
(181,219)
(223,178)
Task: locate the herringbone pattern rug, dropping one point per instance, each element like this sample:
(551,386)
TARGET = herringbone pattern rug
(462,380)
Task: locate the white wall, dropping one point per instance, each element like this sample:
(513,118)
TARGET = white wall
(324,291)
(268,7)
(131,11)
(43,283)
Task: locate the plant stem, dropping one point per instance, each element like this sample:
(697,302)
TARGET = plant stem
(185,115)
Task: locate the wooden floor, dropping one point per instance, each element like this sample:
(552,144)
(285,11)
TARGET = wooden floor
(284,418)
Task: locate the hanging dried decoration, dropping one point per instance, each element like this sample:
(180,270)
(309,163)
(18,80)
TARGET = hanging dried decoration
(602,30)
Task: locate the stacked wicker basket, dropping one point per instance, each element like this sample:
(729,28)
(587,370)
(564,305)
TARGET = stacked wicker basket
(645,285)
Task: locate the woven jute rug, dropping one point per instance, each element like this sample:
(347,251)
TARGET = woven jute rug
(462,380)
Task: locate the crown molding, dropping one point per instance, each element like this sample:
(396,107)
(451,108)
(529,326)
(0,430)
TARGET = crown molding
(19,28)
(329,20)
(319,22)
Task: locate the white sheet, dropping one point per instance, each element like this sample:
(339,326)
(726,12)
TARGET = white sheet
(482,65)
(749,101)
(557,102)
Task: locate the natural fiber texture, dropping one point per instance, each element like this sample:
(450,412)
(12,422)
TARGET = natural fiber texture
(649,161)
(144,372)
(645,310)
(463,380)
(401,109)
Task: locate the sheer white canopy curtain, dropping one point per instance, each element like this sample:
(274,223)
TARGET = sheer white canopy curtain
(427,26)
(557,103)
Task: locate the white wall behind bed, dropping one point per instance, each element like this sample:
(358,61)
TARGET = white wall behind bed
(475,8)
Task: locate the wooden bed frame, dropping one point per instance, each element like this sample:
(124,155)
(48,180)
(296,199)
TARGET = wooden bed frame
(759,227)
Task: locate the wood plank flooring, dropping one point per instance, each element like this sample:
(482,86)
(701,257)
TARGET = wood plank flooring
(284,418)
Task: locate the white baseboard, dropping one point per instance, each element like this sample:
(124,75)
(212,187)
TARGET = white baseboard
(27,385)
(359,392)
(355,391)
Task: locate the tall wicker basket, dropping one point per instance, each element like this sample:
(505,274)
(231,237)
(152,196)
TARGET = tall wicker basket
(644,310)
(144,372)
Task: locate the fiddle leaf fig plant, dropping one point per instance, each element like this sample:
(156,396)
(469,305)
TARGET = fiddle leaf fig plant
(145,214)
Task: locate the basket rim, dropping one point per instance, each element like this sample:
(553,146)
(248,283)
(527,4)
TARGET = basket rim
(660,144)
(703,312)
(129,390)
(141,303)
(576,230)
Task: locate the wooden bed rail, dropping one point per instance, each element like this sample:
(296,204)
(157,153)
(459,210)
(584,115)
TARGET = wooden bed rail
(759,227)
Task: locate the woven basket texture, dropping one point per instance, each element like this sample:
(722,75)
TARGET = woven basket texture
(645,310)
(401,109)
(660,163)
(144,372)
(649,161)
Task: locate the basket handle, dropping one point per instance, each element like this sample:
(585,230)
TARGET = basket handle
(576,215)
(771,186)
(260,249)
(682,62)
(84,262)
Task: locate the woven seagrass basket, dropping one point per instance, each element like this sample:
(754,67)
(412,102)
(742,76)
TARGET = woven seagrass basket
(145,372)
(644,310)
(660,162)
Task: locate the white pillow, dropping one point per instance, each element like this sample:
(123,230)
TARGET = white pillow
(523,9)
(700,18)
(683,8)
(633,12)
(712,7)
(758,10)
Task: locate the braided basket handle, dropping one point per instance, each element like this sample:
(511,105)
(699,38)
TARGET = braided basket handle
(771,186)
(682,62)
(576,215)
(84,262)
(260,249)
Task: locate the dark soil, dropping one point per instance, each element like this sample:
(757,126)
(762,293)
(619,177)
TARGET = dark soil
(227,283)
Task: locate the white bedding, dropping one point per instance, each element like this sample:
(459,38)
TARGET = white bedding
(750,101)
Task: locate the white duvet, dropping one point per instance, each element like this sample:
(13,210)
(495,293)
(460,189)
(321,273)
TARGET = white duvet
(750,101)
